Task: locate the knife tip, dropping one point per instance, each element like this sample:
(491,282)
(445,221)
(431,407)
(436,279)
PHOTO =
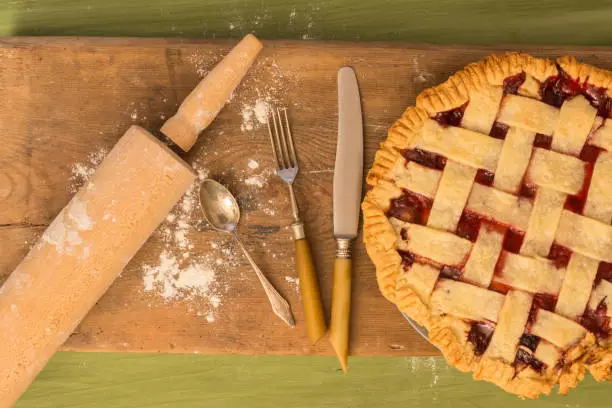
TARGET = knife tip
(341,351)
(346,72)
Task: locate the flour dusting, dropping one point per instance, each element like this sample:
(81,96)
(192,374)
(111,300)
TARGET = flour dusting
(254,115)
(204,61)
(210,317)
(259,180)
(263,89)
(434,371)
(269,209)
(77,212)
(265,85)
(294,281)
(82,171)
(181,273)
(247,122)
(261,111)
(429,366)
(64,231)
(253,165)
(55,234)
(195,279)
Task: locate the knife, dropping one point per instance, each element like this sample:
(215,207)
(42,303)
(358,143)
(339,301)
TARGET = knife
(348,175)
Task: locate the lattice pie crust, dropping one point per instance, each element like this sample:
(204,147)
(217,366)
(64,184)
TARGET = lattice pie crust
(489,219)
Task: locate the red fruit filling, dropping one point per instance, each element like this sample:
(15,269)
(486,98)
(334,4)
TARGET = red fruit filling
(451,117)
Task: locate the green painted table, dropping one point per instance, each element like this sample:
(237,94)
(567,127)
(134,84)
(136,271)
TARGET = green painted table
(141,380)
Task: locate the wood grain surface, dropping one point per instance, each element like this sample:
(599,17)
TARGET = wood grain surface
(65,98)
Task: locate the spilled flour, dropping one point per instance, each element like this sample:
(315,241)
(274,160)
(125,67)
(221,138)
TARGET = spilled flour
(259,180)
(204,61)
(264,89)
(181,273)
(255,115)
(82,171)
(194,279)
(256,180)
(294,281)
(253,165)
(265,86)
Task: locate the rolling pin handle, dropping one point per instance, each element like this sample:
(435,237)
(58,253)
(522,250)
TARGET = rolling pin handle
(203,104)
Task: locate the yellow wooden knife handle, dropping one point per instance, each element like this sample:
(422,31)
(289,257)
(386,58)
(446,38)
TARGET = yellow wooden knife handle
(341,310)
(311,294)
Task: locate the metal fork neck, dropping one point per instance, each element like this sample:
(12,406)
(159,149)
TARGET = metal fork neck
(295,211)
(298,230)
(298,225)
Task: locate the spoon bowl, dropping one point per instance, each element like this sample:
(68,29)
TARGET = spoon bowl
(219,206)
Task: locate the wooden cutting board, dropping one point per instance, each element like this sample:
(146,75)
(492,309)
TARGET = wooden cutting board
(65,101)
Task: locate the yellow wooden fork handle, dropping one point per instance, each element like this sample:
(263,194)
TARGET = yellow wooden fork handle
(311,294)
(341,310)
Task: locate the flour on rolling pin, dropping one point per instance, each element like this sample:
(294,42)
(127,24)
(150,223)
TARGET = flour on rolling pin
(64,231)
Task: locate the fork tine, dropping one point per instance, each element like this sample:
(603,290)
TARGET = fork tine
(291,144)
(276,158)
(279,149)
(284,147)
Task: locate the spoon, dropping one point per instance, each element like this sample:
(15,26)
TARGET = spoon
(221,211)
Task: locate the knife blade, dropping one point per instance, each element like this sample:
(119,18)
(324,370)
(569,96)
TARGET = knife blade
(348,179)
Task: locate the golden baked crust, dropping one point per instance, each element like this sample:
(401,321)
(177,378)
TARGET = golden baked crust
(449,333)
(491,71)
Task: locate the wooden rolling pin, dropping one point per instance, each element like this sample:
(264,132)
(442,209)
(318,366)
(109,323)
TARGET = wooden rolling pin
(102,227)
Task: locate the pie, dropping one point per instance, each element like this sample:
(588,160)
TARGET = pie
(488,220)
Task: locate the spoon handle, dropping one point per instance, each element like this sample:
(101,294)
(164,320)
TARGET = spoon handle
(279,305)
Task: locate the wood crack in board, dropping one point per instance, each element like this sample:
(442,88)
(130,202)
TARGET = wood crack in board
(23,225)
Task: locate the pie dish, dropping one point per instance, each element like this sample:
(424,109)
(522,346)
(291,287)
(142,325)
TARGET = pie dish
(488,220)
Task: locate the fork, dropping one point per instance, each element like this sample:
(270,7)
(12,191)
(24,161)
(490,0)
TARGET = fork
(287,169)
